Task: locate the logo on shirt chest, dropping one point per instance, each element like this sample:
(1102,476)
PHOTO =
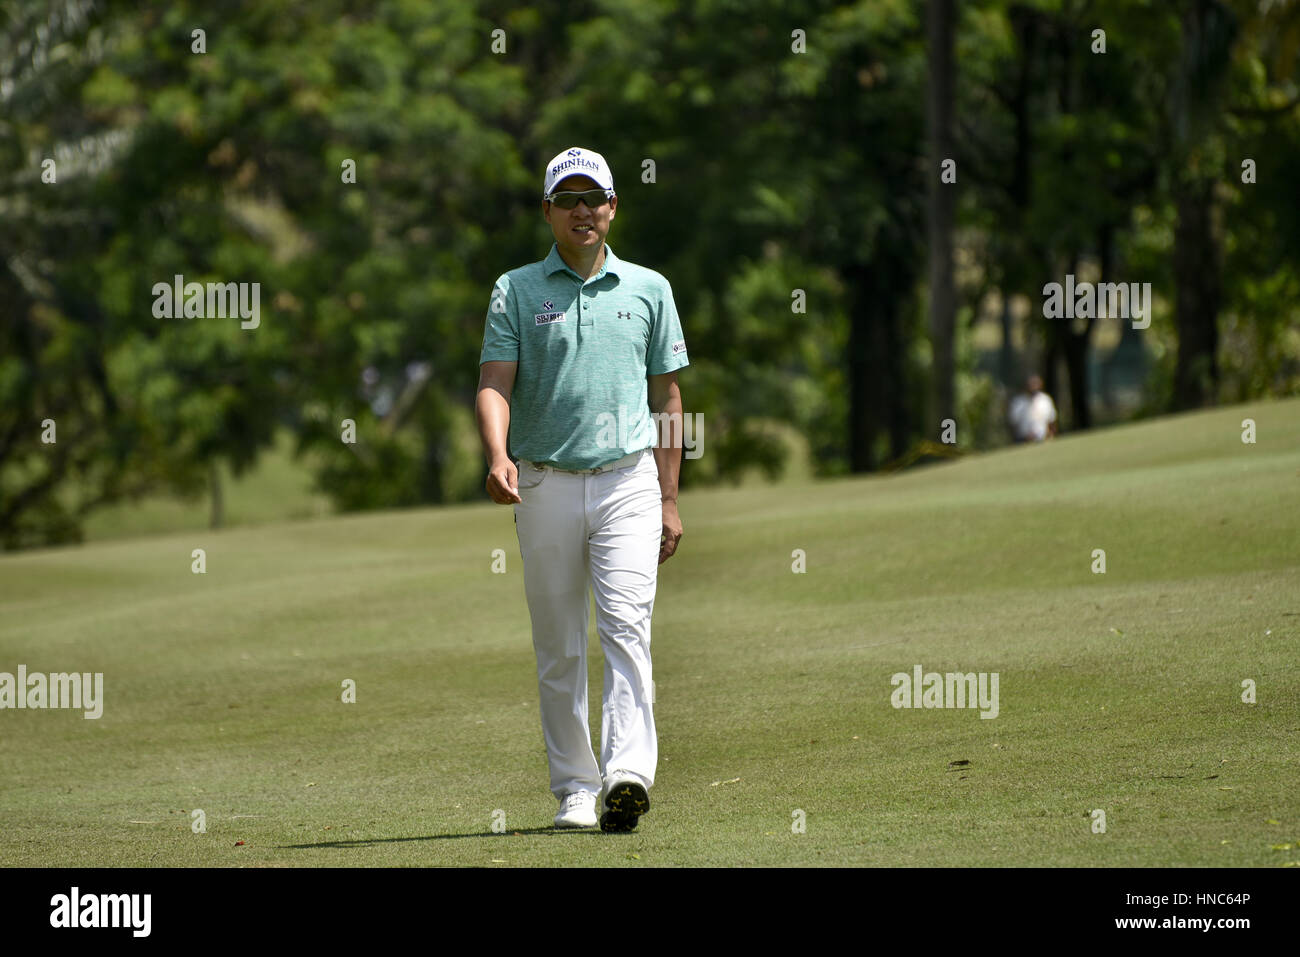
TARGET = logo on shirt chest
(550,316)
(628,312)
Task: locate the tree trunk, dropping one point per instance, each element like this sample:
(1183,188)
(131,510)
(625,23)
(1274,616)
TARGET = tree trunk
(1050,375)
(1007,372)
(878,388)
(939,29)
(1074,347)
(897,404)
(1197,288)
(1077,345)
(218,516)
(862,410)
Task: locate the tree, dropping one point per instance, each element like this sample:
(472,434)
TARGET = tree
(939,49)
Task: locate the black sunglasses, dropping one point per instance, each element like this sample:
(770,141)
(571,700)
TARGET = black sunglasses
(594,198)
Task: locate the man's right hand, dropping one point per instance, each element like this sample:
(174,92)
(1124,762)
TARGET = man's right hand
(503,482)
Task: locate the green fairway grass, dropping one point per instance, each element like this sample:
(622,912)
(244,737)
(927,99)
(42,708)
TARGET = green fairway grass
(1119,692)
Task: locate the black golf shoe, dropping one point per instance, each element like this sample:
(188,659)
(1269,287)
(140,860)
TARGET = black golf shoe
(624,805)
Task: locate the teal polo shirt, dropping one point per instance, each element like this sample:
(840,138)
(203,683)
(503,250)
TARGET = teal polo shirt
(584,350)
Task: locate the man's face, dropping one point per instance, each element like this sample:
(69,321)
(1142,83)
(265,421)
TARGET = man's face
(566,223)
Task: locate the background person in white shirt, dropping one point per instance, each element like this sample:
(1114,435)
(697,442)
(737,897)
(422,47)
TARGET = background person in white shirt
(1032,413)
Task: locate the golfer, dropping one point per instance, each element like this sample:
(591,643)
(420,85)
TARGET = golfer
(578,351)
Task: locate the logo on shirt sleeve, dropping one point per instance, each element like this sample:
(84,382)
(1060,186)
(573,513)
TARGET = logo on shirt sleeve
(679,347)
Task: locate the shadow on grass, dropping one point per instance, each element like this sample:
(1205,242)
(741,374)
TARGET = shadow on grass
(519,832)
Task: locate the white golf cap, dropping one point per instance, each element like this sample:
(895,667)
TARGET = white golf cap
(577,162)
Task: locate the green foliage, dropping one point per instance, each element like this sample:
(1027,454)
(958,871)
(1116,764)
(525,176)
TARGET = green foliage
(774,171)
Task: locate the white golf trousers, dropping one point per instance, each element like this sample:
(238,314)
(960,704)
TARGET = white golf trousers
(603,529)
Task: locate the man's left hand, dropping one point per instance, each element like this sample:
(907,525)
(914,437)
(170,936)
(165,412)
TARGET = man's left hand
(672,532)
